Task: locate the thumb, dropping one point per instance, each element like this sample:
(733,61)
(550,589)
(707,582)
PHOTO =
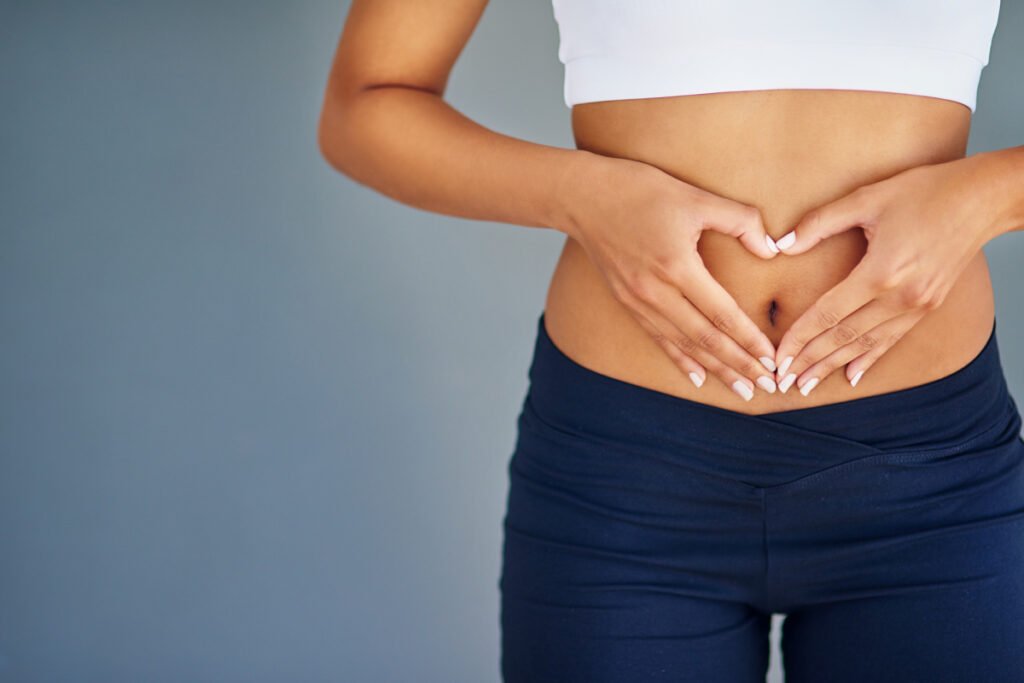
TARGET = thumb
(824,221)
(743,222)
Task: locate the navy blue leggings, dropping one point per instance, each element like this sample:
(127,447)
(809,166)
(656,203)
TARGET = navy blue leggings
(650,538)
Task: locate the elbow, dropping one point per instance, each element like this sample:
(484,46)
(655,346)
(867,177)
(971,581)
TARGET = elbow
(332,135)
(328,140)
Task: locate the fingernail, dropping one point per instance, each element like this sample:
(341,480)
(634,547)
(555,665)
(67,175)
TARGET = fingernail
(741,388)
(696,379)
(856,378)
(787,382)
(785,365)
(766,383)
(787,240)
(771,244)
(767,362)
(808,385)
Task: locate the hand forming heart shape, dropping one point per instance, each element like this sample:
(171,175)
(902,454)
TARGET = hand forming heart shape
(640,227)
(923,226)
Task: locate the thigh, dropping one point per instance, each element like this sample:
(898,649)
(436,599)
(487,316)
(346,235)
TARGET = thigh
(622,566)
(933,587)
(965,632)
(631,634)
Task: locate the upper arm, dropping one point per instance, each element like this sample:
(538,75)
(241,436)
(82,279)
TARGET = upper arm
(397,42)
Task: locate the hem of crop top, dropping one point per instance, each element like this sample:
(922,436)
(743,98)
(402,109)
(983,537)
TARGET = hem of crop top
(746,66)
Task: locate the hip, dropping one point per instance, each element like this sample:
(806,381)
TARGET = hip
(597,421)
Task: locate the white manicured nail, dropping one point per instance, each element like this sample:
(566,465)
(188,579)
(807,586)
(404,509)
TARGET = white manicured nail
(787,240)
(808,385)
(856,378)
(767,362)
(787,382)
(696,379)
(785,365)
(771,244)
(741,388)
(766,383)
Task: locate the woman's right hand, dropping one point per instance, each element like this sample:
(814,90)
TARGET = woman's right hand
(640,226)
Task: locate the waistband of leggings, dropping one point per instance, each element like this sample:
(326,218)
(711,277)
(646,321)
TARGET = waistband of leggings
(939,414)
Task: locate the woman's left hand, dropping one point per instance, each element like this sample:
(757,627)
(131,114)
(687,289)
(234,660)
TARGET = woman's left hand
(923,226)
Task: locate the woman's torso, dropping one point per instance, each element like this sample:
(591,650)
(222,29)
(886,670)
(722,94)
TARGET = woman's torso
(785,152)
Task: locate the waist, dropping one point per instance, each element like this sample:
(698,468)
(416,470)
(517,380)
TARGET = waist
(968,410)
(784,152)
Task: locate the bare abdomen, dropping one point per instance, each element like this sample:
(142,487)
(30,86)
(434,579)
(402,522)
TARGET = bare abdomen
(784,152)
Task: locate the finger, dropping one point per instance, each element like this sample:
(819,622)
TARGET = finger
(732,379)
(716,305)
(855,290)
(711,346)
(663,332)
(852,333)
(893,332)
(742,221)
(875,336)
(848,211)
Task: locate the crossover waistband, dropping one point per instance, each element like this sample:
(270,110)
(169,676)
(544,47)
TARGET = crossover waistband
(770,448)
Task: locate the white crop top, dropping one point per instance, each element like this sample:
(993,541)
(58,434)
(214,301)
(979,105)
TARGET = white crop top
(627,49)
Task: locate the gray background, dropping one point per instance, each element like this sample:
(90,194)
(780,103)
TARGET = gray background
(255,418)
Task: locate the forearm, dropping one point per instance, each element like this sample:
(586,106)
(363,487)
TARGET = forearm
(412,146)
(999,178)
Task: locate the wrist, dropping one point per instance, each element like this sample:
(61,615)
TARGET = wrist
(572,188)
(998,182)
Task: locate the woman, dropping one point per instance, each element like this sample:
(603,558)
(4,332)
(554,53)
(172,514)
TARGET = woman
(668,490)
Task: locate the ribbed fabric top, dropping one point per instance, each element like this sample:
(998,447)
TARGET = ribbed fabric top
(631,49)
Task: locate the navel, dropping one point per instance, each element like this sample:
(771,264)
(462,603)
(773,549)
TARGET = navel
(773,310)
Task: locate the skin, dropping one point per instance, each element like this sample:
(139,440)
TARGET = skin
(666,204)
